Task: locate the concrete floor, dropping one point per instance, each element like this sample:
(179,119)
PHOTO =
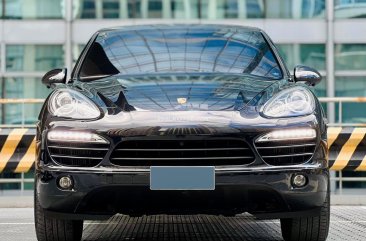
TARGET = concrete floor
(347,223)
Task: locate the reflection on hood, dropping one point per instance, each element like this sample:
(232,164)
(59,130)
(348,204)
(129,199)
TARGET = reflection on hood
(180,92)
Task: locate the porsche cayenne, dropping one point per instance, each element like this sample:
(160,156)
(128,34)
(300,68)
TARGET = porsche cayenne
(181,119)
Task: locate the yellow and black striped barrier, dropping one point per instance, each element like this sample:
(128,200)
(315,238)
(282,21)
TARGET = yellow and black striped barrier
(347,149)
(18,149)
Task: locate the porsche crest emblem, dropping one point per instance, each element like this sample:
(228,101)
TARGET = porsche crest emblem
(182,100)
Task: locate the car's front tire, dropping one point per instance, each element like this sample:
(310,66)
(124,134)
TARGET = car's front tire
(308,228)
(52,229)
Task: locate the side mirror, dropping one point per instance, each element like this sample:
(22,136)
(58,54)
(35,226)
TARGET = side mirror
(55,76)
(306,74)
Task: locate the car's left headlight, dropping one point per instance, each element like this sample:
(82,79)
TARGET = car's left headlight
(72,104)
(296,101)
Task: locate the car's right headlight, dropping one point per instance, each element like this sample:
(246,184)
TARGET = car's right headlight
(72,104)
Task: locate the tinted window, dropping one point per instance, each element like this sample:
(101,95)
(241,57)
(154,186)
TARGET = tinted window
(180,49)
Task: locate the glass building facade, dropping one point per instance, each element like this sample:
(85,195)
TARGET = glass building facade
(199,9)
(25,58)
(38,35)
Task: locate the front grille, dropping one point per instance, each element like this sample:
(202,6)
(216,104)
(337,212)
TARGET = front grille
(213,152)
(77,154)
(279,153)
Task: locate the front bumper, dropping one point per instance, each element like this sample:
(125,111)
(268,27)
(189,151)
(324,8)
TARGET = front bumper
(266,194)
(258,188)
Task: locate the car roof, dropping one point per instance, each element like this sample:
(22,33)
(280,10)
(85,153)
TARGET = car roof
(203,27)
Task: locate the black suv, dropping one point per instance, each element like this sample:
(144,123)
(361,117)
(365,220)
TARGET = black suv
(181,119)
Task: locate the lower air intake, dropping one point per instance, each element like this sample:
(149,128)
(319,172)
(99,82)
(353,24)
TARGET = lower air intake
(77,154)
(278,153)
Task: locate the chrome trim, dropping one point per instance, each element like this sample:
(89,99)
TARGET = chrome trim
(183,158)
(291,155)
(121,170)
(81,142)
(191,149)
(77,157)
(79,148)
(287,146)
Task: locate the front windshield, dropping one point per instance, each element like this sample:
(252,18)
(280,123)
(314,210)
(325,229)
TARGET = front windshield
(163,49)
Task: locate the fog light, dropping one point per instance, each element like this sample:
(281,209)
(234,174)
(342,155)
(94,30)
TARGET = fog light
(299,180)
(66,183)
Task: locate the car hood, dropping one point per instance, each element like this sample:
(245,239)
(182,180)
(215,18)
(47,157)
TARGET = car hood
(179,92)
